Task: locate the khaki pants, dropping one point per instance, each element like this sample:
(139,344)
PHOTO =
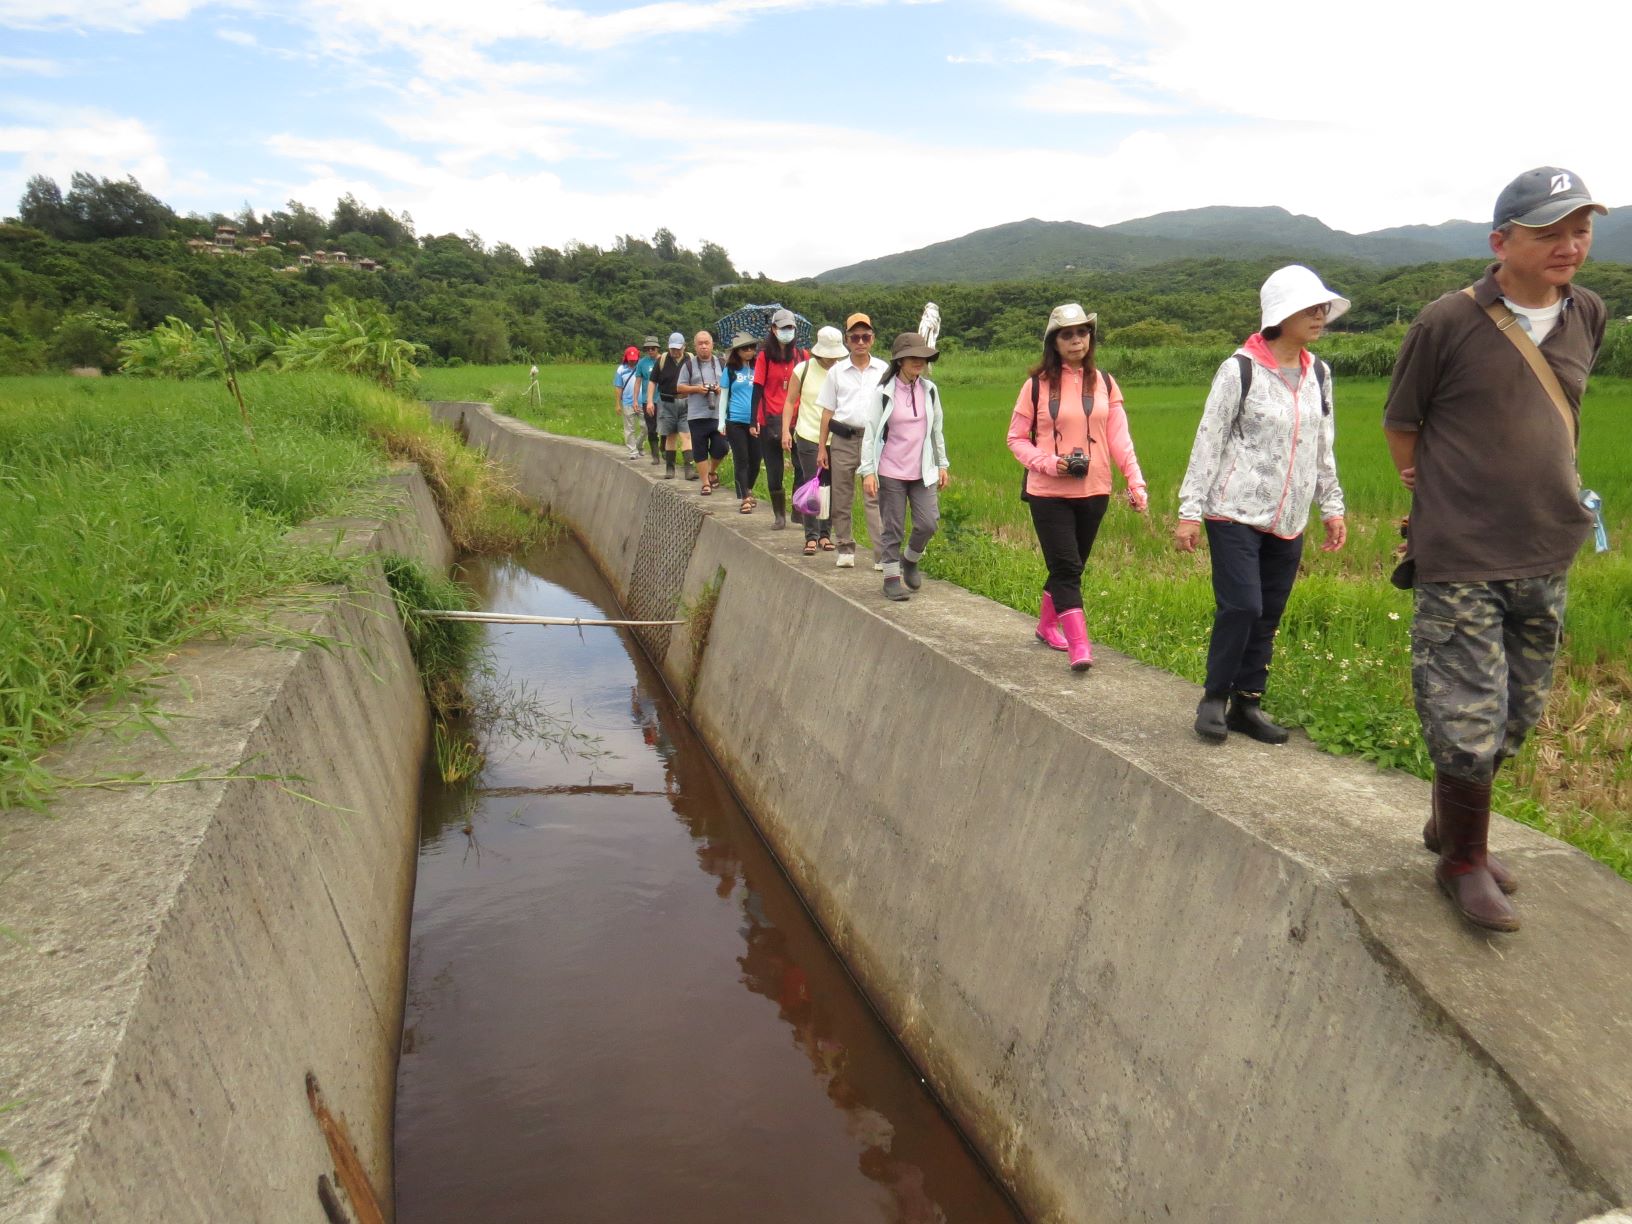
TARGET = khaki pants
(844,457)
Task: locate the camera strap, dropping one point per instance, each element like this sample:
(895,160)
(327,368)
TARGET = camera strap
(1508,324)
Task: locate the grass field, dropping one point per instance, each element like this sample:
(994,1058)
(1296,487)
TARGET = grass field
(136,514)
(1343,655)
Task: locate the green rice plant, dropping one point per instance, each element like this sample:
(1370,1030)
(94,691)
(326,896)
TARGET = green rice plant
(134,517)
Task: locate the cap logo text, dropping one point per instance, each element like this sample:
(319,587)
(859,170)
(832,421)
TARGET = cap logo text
(1561,182)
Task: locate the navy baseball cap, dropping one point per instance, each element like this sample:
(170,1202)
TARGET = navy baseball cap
(1542,196)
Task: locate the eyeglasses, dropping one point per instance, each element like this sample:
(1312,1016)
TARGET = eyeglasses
(1317,312)
(1074,333)
(859,337)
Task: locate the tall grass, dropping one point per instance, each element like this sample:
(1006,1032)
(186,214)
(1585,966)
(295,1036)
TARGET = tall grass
(135,515)
(1342,666)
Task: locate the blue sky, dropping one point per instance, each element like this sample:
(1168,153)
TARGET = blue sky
(803,135)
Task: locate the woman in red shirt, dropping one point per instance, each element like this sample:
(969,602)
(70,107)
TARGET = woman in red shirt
(773,370)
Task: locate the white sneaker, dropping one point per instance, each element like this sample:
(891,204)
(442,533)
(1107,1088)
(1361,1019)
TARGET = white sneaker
(879,566)
(845,561)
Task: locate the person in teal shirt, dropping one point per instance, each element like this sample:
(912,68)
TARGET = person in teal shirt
(646,394)
(737,416)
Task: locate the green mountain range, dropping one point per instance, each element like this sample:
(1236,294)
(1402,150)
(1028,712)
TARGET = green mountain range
(1029,249)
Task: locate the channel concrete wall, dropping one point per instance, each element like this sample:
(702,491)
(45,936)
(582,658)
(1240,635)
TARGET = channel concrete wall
(1153,979)
(182,955)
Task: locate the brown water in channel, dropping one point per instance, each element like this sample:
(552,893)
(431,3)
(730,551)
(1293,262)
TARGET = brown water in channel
(618,1009)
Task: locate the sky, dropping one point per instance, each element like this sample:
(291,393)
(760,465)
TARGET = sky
(804,135)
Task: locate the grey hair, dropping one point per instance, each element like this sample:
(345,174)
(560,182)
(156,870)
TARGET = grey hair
(1506,228)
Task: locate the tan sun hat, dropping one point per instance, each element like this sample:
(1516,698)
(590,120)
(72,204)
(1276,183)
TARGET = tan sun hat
(742,340)
(1068,315)
(829,343)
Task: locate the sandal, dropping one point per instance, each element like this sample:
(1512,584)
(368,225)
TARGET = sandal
(810,548)
(826,544)
(706,489)
(747,506)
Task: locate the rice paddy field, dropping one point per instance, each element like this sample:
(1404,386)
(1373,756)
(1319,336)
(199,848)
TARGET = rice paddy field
(136,514)
(1342,668)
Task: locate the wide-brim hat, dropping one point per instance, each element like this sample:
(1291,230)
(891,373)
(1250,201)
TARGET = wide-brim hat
(650,342)
(829,343)
(911,344)
(1068,315)
(742,340)
(1293,288)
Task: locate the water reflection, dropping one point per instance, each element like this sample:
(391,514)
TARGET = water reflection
(579,1045)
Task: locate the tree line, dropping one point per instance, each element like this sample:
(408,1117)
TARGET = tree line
(83,270)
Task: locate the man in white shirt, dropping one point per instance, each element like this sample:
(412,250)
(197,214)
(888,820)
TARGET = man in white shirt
(844,400)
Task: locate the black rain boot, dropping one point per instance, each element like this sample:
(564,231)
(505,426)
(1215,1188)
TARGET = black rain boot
(779,509)
(1210,724)
(668,465)
(911,574)
(657,451)
(1246,717)
(691,468)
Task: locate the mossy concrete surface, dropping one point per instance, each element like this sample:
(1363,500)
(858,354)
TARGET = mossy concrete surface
(1153,979)
(181,955)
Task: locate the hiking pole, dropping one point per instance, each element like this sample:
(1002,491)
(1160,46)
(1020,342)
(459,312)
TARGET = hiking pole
(516,618)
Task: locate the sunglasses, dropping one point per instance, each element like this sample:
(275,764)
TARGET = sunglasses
(859,337)
(1317,312)
(1074,333)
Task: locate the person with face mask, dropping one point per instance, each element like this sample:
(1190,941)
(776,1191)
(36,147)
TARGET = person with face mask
(773,372)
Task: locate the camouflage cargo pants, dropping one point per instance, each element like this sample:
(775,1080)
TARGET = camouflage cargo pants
(1482,666)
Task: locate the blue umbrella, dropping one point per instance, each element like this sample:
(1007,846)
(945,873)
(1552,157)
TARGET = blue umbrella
(756,321)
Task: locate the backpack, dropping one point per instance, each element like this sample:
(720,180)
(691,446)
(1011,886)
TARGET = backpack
(1322,373)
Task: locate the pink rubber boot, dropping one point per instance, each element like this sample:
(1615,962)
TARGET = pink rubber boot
(1048,625)
(1075,627)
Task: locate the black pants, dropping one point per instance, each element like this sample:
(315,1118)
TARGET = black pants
(1066,527)
(651,427)
(1253,572)
(744,457)
(770,451)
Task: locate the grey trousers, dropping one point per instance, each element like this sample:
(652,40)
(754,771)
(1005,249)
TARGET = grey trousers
(893,496)
(844,457)
(804,467)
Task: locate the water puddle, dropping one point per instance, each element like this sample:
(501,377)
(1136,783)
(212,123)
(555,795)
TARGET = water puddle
(617,1008)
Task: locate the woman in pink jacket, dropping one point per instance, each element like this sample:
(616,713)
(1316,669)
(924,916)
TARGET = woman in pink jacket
(1067,430)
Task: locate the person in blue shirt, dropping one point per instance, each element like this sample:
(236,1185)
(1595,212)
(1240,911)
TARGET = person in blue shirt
(737,416)
(628,407)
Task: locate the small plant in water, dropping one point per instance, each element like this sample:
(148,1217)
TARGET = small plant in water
(458,759)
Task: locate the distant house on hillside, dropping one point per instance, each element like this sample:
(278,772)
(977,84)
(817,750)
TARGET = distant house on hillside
(200,245)
(320,255)
(226,237)
(306,260)
(368,265)
(338,257)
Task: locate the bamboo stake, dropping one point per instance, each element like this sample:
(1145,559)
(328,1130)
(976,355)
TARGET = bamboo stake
(516,618)
(232,377)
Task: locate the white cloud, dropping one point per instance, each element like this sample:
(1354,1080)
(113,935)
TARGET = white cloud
(1079,95)
(107,145)
(93,14)
(242,38)
(30,67)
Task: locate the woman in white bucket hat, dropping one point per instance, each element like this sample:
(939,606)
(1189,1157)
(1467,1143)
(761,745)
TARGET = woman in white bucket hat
(1262,454)
(1067,431)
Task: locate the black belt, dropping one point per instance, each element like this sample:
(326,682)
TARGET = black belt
(845,431)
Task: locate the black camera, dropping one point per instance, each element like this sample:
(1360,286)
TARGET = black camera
(1076,463)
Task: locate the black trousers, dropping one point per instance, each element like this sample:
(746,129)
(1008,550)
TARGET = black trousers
(1253,572)
(770,451)
(1066,527)
(744,457)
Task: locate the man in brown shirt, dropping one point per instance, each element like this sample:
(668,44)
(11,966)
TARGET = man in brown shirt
(1496,513)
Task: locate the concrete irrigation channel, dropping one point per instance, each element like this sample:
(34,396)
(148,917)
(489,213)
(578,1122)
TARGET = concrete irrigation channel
(1149,983)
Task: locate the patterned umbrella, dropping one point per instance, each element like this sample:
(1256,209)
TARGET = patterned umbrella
(756,321)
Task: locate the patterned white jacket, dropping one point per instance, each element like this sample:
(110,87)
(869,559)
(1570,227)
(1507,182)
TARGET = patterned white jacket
(1263,462)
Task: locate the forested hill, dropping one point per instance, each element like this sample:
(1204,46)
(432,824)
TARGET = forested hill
(1034,248)
(81,270)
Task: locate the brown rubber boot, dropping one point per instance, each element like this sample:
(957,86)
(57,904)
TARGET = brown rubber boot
(1463,872)
(1505,879)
